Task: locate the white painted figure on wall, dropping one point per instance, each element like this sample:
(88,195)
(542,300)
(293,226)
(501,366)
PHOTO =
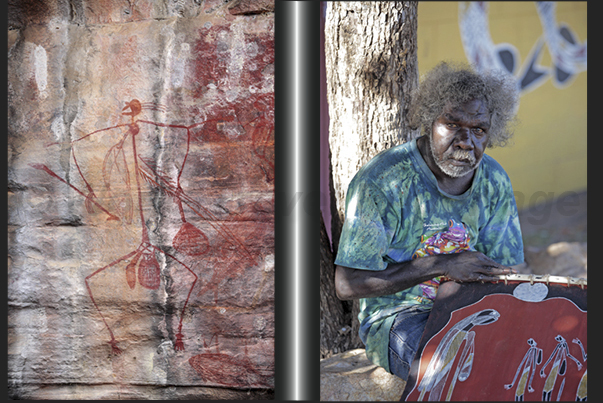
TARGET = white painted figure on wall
(568,54)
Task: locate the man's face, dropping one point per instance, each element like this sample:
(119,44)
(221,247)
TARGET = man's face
(459,137)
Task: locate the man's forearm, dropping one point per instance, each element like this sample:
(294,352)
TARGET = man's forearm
(354,283)
(463,267)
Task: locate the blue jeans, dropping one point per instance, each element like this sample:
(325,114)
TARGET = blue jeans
(404,338)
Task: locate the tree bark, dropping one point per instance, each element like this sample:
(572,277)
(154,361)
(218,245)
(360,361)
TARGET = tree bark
(371,63)
(335,324)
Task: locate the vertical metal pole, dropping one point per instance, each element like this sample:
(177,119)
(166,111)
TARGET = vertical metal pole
(297,108)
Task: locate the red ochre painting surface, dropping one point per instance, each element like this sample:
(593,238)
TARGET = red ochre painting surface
(537,340)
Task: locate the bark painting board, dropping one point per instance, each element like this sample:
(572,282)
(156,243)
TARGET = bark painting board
(503,342)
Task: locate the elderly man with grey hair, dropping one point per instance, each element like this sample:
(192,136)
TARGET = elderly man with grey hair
(435,207)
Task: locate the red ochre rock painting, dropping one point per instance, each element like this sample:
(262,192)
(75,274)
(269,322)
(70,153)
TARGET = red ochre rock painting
(223,369)
(141,265)
(79,281)
(252,109)
(190,240)
(218,56)
(227,370)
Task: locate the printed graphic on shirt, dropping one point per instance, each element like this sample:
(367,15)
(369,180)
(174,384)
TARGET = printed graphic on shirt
(453,240)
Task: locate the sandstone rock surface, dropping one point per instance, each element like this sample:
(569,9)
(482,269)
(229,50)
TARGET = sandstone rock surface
(140,200)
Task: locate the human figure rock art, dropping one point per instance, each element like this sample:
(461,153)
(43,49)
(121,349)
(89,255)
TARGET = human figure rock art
(141,265)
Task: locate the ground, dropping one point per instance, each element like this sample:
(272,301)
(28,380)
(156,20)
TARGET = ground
(555,236)
(561,220)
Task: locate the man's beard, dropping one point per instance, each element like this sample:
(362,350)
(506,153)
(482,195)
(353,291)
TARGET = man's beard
(455,171)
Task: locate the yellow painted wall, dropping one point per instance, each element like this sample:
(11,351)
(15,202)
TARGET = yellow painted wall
(548,154)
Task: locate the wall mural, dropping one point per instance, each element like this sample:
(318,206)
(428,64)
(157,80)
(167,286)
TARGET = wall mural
(568,55)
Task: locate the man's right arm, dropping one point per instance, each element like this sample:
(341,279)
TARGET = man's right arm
(462,267)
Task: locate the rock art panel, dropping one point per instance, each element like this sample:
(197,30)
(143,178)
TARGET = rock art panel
(141,201)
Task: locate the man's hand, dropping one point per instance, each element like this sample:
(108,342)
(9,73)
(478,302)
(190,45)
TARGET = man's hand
(462,267)
(473,266)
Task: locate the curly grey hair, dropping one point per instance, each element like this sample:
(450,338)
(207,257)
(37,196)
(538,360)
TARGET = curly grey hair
(450,84)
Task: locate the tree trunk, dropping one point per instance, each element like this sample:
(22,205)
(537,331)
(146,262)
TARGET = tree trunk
(371,63)
(335,325)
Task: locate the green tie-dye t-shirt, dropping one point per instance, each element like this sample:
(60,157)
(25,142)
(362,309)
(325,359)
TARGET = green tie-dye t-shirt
(396,212)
